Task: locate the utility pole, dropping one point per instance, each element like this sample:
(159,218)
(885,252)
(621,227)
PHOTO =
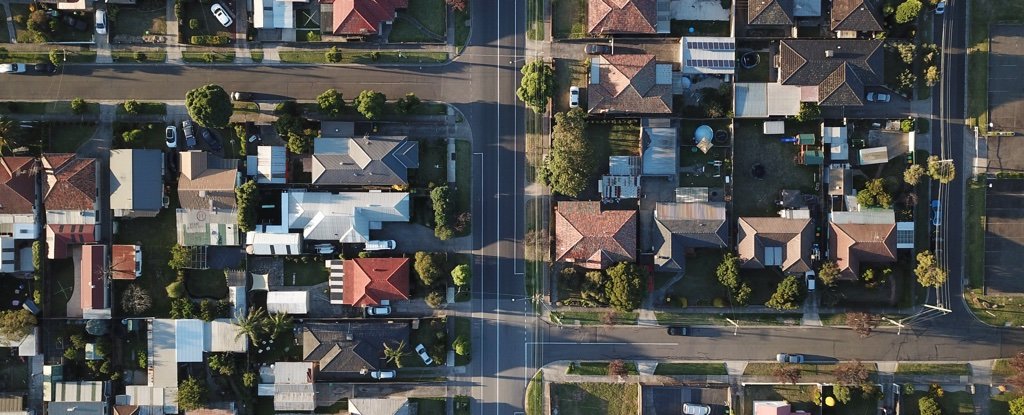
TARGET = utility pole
(736,326)
(895,323)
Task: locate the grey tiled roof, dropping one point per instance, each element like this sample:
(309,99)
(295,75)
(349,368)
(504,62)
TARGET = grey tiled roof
(842,87)
(841,78)
(856,15)
(382,161)
(770,12)
(339,356)
(682,226)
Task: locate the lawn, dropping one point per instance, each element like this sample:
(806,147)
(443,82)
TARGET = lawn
(598,368)
(614,138)
(778,159)
(462,329)
(591,318)
(463,181)
(462,27)
(806,370)
(983,13)
(594,398)
(759,73)
(859,404)
(55,107)
(299,272)
(750,319)
(146,17)
(428,405)
(955,369)
(1010,311)
(130,56)
(363,56)
(800,396)
(152,135)
(432,14)
(674,369)
(28,56)
(66,137)
(156,235)
(699,287)
(952,403)
(975,229)
(201,56)
(1000,404)
(569,72)
(535,395)
(569,19)
(206,283)
(256,55)
(62,286)
(535,19)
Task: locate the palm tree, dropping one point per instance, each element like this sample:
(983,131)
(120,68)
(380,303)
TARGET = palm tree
(10,132)
(276,324)
(252,325)
(395,354)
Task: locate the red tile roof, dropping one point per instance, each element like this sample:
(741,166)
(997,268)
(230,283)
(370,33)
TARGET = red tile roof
(592,238)
(622,16)
(92,285)
(370,280)
(854,243)
(70,182)
(122,262)
(59,237)
(363,17)
(629,83)
(17,184)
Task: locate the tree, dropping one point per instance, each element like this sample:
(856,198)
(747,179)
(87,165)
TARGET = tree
(78,106)
(913,174)
(435,299)
(787,373)
(617,368)
(785,295)
(809,111)
(331,102)
(568,170)
(852,374)
(136,300)
(207,310)
(183,308)
(908,11)
(176,289)
(828,274)
(333,55)
(457,5)
(841,393)
(131,136)
(252,325)
(221,363)
(16,324)
(180,257)
(1017,406)
(395,353)
(537,86)
(624,286)
(440,198)
(427,268)
(728,271)
(931,75)
(209,105)
(862,323)
(461,275)
(131,106)
(461,346)
(10,133)
(907,51)
(370,103)
(246,198)
(250,379)
(928,272)
(927,406)
(874,195)
(905,81)
(407,103)
(299,143)
(1017,363)
(941,170)
(276,324)
(191,394)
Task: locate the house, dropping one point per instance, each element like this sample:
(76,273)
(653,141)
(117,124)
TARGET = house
(184,341)
(590,237)
(288,302)
(125,262)
(93,283)
(206,227)
(358,17)
(136,182)
(625,17)
(622,180)
(69,196)
(26,346)
(60,238)
(207,182)
(379,406)
(346,217)
(867,236)
(850,17)
(147,400)
(775,242)
(290,384)
(364,161)
(833,72)
(629,84)
(775,408)
(770,13)
(269,165)
(767,99)
(682,227)
(836,139)
(350,349)
(18,197)
(707,55)
(274,14)
(11,404)
(369,281)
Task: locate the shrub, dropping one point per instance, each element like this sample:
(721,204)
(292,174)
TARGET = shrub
(131,106)
(333,55)
(209,40)
(312,36)
(179,9)
(78,106)
(435,299)
(908,11)
(461,346)
(142,359)
(193,24)
(176,289)
(140,56)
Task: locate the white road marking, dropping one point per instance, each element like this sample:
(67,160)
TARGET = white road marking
(598,344)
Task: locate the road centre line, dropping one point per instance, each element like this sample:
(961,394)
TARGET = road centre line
(597,344)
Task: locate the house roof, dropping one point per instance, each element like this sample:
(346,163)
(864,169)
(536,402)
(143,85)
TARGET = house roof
(369,160)
(122,263)
(222,335)
(70,182)
(630,83)
(379,406)
(201,227)
(370,280)
(18,184)
(681,226)
(856,15)
(270,162)
(839,68)
(592,238)
(345,217)
(363,17)
(622,16)
(126,409)
(136,181)
(770,12)
(859,237)
(774,241)
(288,302)
(343,349)
(60,237)
(207,182)
(188,340)
(294,373)
(659,151)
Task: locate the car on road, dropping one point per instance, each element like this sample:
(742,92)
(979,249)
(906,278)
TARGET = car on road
(574,96)
(678,331)
(46,68)
(171,135)
(380,245)
(879,97)
(941,7)
(696,409)
(74,23)
(101,22)
(789,358)
(936,213)
(422,352)
(210,138)
(241,96)
(383,374)
(379,310)
(12,68)
(598,49)
(221,15)
(190,136)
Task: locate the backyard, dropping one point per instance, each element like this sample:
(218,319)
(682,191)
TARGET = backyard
(613,138)
(157,235)
(61,285)
(594,398)
(146,17)
(569,19)
(14,374)
(778,160)
(304,271)
(206,283)
(430,14)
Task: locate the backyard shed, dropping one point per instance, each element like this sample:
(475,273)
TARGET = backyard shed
(774,127)
(288,302)
(874,155)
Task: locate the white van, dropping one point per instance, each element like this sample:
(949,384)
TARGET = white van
(696,409)
(101,22)
(379,245)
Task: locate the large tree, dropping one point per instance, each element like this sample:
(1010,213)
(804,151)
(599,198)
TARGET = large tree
(428,268)
(828,273)
(537,86)
(908,11)
(191,394)
(928,272)
(252,325)
(928,406)
(785,294)
(913,174)
(461,275)
(852,374)
(16,324)
(209,105)
(331,102)
(246,199)
(728,274)
(571,160)
(370,103)
(874,195)
(942,170)
(624,286)
(136,300)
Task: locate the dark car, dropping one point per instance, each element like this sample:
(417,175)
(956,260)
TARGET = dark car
(75,23)
(210,139)
(598,49)
(678,331)
(45,68)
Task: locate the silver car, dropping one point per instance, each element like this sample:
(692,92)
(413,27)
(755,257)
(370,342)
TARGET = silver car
(221,15)
(422,351)
(12,67)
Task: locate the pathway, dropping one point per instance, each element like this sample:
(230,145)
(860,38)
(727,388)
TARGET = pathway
(5,5)
(173,48)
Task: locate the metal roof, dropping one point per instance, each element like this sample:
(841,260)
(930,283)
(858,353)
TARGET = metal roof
(264,243)
(874,155)
(659,151)
(288,302)
(345,217)
(136,181)
(163,362)
(270,164)
(188,340)
(221,335)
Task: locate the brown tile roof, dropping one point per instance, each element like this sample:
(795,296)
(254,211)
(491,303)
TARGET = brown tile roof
(853,243)
(126,409)
(122,263)
(363,17)
(92,268)
(59,237)
(209,411)
(592,238)
(18,184)
(207,181)
(622,16)
(775,242)
(70,182)
(856,15)
(841,77)
(628,83)
(770,12)
(370,280)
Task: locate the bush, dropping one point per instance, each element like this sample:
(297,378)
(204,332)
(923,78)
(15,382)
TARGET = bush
(142,359)
(131,106)
(333,55)
(435,299)
(908,11)
(718,302)
(427,267)
(247,199)
(461,346)
(441,198)
(209,40)
(250,379)
(179,9)
(312,36)
(130,136)
(331,102)
(78,106)
(286,108)
(193,24)
(176,289)
(38,253)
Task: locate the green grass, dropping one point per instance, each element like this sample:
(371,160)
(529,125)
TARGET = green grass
(598,368)
(1002,368)
(128,56)
(758,73)
(152,135)
(432,14)
(304,274)
(195,56)
(975,230)
(462,405)
(759,319)
(1000,404)
(1010,311)
(429,405)
(363,57)
(463,179)
(591,318)
(594,398)
(145,17)
(859,404)
(535,19)
(952,403)
(256,55)
(806,370)
(781,172)
(461,28)
(621,138)
(208,25)
(955,369)
(699,287)
(62,286)
(66,138)
(156,235)
(462,329)
(706,369)
(569,19)
(700,28)
(336,408)
(5,35)
(206,283)
(535,395)
(14,374)
(145,108)
(800,396)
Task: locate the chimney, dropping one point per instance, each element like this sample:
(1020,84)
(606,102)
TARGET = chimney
(830,53)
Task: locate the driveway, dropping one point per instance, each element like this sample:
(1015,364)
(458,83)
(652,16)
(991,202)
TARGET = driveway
(413,237)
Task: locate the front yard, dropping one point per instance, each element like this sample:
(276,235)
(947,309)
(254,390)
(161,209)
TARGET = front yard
(198,20)
(569,19)
(151,136)
(430,14)
(594,398)
(568,73)
(146,17)
(699,286)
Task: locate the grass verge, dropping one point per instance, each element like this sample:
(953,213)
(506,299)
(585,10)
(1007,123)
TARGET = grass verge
(535,19)
(598,368)
(593,318)
(759,319)
(535,395)
(129,56)
(193,56)
(675,369)
(975,229)
(462,329)
(363,57)
(956,369)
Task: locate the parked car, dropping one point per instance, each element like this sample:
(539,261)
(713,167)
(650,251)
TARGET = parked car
(789,358)
(422,351)
(221,15)
(380,310)
(879,97)
(241,96)
(101,22)
(941,7)
(171,134)
(210,138)
(138,261)
(74,23)
(574,96)
(190,136)
(678,331)
(46,68)
(696,409)
(383,374)
(936,213)
(380,245)
(815,251)
(323,249)
(12,67)
(598,49)
(809,275)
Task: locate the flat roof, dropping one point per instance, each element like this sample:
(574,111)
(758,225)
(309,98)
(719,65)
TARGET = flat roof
(188,340)
(288,302)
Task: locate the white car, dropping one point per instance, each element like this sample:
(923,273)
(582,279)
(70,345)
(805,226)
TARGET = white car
(221,15)
(422,351)
(101,22)
(380,245)
(380,310)
(171,134)
(941,7)
(383,374)
(574,96)
(138,261)
(789,358)
(696,409)
(324,249)
(12,67)
(879,97)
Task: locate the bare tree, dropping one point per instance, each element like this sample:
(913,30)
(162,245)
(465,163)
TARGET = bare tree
(136,300)
(616,368)
(852,374)
(862,323)
(787,373)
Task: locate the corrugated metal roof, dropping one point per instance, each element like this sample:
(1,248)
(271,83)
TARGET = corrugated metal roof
(270,164)
(288,302)
(135,179)
(293,373)
(345,217)
(263,243)
(874,155)
(188,340)
(221,335)
(659,151)
(162,356)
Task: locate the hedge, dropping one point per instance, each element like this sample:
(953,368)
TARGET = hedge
(212,40)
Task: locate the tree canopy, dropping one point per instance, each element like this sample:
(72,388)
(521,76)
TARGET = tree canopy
(928,406)
(571,160)
(191,394)
(246,199)
(785,294)
(908,11)
(331,102)
(728,274)
(209,105)
(461,275)
(370,103)
(427,267)
(942,170)
(624,286)
(928,272)
(538,84)
(828,274)
(913,174)
(16,324)
(874,195)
